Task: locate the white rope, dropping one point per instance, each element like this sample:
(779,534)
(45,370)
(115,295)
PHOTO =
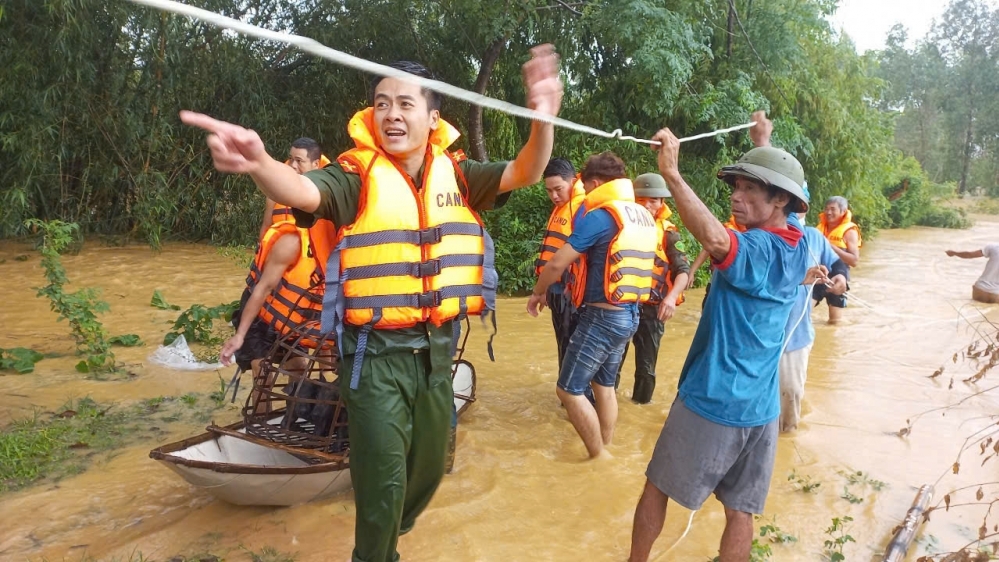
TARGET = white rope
(314,47)
(690,522)
(808,302)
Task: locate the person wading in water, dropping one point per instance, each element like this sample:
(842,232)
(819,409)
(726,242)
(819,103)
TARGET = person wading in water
(407,267)
(618,237)
(836,224)
(721,433)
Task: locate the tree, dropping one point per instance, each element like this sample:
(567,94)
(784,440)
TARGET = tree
(90,92)
(944,92)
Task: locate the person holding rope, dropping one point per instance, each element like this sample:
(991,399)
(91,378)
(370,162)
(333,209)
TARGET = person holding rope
(986,288)
(836,224)
(800,333)
(721,433)
(407,267)
(618,238)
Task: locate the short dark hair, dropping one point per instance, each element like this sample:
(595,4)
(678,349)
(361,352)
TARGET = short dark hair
(773,191)
(559,167)
(433,98)
(605,167)
(311,147)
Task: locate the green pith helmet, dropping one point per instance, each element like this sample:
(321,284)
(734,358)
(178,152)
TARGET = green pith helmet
(770,166)
(651,185)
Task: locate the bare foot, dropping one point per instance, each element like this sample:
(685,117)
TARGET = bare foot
(604,454)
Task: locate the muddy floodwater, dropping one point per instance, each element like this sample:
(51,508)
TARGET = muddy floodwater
(520,489)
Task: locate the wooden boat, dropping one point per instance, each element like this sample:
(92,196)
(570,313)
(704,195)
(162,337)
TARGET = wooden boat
(244,471)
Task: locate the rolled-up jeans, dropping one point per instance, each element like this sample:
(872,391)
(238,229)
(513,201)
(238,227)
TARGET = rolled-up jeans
(596,348)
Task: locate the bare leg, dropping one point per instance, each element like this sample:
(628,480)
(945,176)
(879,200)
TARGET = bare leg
(606,411)
(584,420)
(650,515)
(737,540)
(835,314)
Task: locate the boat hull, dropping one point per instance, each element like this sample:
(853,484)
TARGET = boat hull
(244,472)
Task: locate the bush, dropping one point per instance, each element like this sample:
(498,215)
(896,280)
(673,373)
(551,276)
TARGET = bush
(945,217)
(988,206)
(517,228)
(907,194)
(911,195)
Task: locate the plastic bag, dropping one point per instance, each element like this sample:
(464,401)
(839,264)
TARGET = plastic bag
(179,356)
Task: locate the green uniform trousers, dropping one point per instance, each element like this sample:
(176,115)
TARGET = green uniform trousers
(400,421)
(647,338)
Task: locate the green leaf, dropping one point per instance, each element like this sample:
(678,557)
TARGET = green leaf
(83,367)
(126,340)
(169,338)
(19,359)
(159,302)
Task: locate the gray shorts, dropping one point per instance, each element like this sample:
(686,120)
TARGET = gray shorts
(695,456)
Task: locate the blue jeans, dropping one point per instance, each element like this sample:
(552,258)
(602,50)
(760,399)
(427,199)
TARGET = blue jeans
(596,348)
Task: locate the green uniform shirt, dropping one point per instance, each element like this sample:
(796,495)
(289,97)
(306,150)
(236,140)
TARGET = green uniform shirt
(339,194)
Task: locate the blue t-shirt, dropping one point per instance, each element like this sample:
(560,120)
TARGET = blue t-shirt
(592,234)
(820,249)
(730,375)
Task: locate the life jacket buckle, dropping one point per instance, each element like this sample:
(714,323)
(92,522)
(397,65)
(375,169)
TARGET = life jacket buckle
(430,235)
(616,257)
(616,276)
(428,268)
(430,299)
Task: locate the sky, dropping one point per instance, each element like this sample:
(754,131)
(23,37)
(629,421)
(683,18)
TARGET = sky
(867,21)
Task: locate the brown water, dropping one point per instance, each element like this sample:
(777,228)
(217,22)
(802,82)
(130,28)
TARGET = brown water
(520,489)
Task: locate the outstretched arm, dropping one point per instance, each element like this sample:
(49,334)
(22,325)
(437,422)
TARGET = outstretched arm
(240,151)
(696,216)
(966,255)
(544,94)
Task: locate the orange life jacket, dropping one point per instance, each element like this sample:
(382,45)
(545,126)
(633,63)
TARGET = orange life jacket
(559,227)
(836,234)
(632,252)
(411,255)
(732,225)
(662,284)
(298,298)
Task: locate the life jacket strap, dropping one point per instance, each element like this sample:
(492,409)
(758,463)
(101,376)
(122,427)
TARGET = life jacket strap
(428,299)
(431,235)
(334,305)
(621,254)
(456,324)
(639,291)
(362,347)
(428,268)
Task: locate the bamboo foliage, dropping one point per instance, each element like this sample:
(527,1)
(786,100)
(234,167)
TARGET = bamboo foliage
(90,91)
